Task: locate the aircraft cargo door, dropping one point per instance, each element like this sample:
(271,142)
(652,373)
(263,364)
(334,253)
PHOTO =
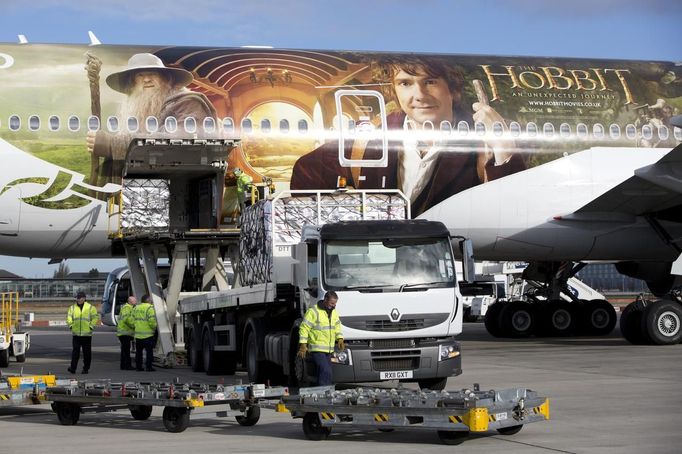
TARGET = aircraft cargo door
(10,210)
(361,124)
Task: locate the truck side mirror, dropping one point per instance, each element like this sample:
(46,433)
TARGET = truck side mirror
(466,246)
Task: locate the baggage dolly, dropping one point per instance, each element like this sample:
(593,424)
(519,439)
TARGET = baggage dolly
(453,414)
(16,390)
(178,400)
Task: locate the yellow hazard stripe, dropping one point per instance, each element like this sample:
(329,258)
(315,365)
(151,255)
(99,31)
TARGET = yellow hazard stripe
(542,409)
(380,417)
(455,419)
(4,396)
(492,418)
(327,416)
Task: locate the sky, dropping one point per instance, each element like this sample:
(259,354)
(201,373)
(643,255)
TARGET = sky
(620,29)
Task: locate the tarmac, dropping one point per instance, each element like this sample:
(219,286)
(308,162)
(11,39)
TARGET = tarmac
(607,396)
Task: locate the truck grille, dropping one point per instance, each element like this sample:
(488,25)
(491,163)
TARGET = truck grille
(389,364)
(384,323)
(391,343)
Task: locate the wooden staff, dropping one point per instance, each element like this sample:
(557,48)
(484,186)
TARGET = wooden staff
(93,66)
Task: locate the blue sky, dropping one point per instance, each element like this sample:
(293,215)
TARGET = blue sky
(622,29)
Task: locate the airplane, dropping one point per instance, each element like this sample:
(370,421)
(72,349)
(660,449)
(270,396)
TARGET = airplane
(556,162)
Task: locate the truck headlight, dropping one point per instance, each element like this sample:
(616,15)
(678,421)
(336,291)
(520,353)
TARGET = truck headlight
(343,358)
(448,352)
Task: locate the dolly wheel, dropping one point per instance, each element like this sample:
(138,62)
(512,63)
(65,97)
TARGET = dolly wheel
(68,414)
(250,418)
(511,430)
(453,437)
(313,428)
(140,412)
(175,419)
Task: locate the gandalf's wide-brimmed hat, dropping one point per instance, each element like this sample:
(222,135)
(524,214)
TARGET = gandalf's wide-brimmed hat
(122,80)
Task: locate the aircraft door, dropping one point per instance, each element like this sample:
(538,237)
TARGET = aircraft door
(361,117)
(10,211)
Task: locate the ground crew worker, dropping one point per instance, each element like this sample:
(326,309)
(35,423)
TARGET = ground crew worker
(320,330)
(81,319)
(125,331)
(243,184)
(144,316)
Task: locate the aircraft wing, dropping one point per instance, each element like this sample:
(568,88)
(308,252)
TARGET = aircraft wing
(653,189)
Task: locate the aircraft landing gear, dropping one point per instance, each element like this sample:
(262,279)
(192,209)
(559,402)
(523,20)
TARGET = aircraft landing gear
(652,322)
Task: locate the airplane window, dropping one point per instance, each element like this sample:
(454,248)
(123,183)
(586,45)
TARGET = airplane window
(93,123)
(132,124)
(498,129)
(614,131)
(151,124)
(302,126)
(265,125)
(515,129)
(228,125)
(209,124)
(74,123)
(34,122)
(532,129)
(647,132)
(14,123)
(247,126)
(598,131)
(581,130)
(53,123)
(548,130)
(190,125)
(479,127)
(631,132)
(463,128)
(677,132)
(565,130)
(663,132)
(445,126)
(284,126)
(112,124)
(170,124)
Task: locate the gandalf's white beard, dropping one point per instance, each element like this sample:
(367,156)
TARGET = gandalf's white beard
(143,103)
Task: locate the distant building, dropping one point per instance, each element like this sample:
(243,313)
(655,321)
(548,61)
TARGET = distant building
(4,274)
(604,278)
(44,288)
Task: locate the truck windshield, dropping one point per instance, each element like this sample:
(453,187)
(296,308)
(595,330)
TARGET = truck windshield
(396,264)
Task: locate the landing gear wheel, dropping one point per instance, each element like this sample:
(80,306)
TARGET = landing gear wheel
(140,412)
(631,326)
(517,319)
(511,430)
(313,428)
(195,356)
(598,317)
(663,322)
(453,437)
(68,414)
(250,418)
(175,419)
(434,384)
(559,318)
(492,319)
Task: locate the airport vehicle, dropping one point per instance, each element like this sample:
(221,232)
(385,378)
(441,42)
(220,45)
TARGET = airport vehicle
(479,295)
(454,414)
(13,342)
(569,160)
(17,390)
(179,400)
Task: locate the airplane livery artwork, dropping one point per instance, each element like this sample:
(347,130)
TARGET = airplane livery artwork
(544,160)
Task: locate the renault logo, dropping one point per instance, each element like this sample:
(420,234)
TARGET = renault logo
(395,314)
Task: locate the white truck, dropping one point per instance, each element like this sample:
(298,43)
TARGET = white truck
(12,341)
(399,302)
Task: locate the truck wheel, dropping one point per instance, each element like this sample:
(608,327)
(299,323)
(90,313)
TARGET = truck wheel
(4,358)
(631,323)
(140,412)
(21,358)
(663,322)
(250,418)
(517,319)
(558,318)
(434,384)
(492,319)
(453,437)
(195,356)
(207,350)
(468,317)
(175,419)
(68,414)
(598,317)
(313,428)
(511,430)
(253,366)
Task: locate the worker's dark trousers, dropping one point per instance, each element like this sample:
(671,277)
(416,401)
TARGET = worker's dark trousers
(324,368)
(78,342)
(126,343)
(148,346)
